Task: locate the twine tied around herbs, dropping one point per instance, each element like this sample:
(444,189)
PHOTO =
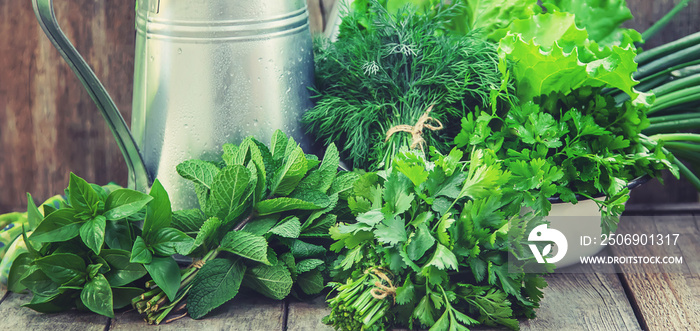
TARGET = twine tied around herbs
(416,130)
(381,291)
(197,264)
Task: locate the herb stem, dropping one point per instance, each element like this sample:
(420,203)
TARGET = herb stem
(660,24)
(694,137)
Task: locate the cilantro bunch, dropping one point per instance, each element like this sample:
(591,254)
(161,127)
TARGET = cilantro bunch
(430,248)
(385,71)
(263,225)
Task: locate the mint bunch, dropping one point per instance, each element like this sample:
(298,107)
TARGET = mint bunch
(263,225)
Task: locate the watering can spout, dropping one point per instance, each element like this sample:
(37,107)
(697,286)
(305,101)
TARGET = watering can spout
(139,178)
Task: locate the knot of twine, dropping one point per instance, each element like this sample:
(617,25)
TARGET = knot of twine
(416,130)
(381,291)
(197,264)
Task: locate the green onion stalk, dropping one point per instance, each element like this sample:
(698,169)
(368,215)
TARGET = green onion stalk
(672,73)
(362,303)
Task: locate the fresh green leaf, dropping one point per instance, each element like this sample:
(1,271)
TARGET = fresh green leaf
(140,252)
(92,233)
(278,205)
(308,265)
(169,241)
(82,196)
(97,296)
(289,227)
(247,245)
(60,225)
(271,281)
(166,274)
(228,188)
(188,221)
(122,203)
(311,282)
(122,271)
(216,283)
(62,267)
(198,171)
(158,213)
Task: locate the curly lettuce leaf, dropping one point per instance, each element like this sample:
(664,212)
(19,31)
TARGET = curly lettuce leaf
(601,18)
(551,54)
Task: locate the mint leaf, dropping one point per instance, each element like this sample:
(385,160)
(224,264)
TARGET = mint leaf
(311,282)
(293,169)
(290,227)
(278,144)
(271,281)
(97,296)
(198,171)
(277,205)
(228,188)
(301,249)
(122,203)
(207,233)
(216,283)
(189,220)
(329,167)
(92,233)
(247,245)
(308,265)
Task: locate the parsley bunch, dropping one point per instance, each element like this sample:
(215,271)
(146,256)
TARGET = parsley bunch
(430,247)
(385,70)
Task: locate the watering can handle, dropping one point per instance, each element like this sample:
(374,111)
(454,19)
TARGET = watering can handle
(139,177)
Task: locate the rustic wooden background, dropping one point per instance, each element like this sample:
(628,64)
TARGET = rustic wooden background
(49,125)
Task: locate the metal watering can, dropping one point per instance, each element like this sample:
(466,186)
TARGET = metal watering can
(206,72)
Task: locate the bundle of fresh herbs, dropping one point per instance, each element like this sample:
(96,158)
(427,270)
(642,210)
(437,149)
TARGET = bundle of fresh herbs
(263,225)
(395,80)
(430,248)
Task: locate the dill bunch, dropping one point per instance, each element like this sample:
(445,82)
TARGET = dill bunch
(387,70)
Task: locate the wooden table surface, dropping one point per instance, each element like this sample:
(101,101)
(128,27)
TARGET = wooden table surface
(632,300)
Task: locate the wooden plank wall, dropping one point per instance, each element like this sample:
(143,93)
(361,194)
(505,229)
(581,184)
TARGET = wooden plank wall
(49,126)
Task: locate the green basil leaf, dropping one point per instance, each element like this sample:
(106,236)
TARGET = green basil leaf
(92,233)
(121,296)
(20,266)
(168,241)
(38,282)
(34,216)
(166,274)
(216,283)
(118,235)
(123,202)
(55,303)
(93,269)
(97,296)
(228,188)
(82,196)
(271,281)
(60,225)
(247,245)
(140,252)
(158,213)
(62,267)
(122,271)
